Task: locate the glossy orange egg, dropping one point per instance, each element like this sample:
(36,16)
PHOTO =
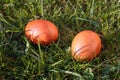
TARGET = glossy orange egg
(86,45)
(41,31)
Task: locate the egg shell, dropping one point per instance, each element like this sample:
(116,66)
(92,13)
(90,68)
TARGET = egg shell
(41,31)
(86,45)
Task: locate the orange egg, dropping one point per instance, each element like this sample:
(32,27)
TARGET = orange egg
(86,45)
(41,31)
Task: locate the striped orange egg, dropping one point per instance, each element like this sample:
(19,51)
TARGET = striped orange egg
(41,31)
(86,45)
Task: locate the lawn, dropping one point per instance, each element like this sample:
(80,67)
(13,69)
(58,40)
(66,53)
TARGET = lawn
(20,59)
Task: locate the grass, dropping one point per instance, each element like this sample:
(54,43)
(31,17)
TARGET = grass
(22,60)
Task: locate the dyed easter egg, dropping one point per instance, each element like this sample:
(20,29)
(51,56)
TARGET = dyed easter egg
(41,31)
(86,45)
